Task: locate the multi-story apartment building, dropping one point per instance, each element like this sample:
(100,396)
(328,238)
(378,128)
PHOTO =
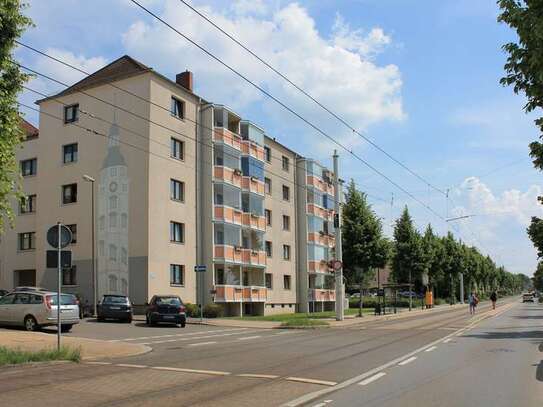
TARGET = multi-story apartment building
(177,182)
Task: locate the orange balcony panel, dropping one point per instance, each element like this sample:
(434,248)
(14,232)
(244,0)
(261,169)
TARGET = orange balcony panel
(228,175)
(320,212)
(320,184)
(317,294)
(228,253)
(318,266)
(252,149)
(324,240)
(227,214)
(232,293)
(253,257)
(255,222)
(255,294)
(252,185)
(227,137)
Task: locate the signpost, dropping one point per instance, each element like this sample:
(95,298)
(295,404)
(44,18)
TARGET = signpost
(201,268)
(59,236)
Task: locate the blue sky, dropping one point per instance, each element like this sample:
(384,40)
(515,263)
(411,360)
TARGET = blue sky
(419,77)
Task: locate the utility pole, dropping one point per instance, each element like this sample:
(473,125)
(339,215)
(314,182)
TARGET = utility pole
(340,293)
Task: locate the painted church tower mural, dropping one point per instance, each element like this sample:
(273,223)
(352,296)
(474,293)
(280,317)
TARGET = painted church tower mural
(113,219)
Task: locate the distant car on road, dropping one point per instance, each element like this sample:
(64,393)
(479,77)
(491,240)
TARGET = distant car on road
(527,297)
(115,307)
(166,308)
(35,309)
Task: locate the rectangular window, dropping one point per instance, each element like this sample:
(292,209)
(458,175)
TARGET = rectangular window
(286,163)
(286,193)
(178,108)
(267,154)
(268,186)
(71,113)
(286,222)
(286,252)
(286,282)
(177,274)
(268,215)
(73,229)
(269,280)
(177,149)
(28,204)
(27,241)
(269,248)
(69,193)
(29,167)
(69,153)
(177,190)
(177,232)
(69,276)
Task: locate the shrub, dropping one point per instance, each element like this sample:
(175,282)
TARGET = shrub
(213,311)
(192,310)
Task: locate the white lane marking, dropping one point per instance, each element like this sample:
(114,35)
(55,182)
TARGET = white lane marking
(319,393)
(140,338)
(447,340)
(129,365)
(286,332)
(406,361)
(320,405)
(97,363)
(258,376)
(371,379)
(249,337)
(193,338)
(431,348)
(201,343)
(328,401)
(179,369)
(312,381)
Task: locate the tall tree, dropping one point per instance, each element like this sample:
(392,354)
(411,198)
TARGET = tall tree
(12,25)
(537,279)
(364,247)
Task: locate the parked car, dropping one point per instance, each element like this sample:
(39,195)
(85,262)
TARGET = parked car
(115,307)
(166,308)
(26,288)
(405,294)
(528,297)
(3,292)
(37,309)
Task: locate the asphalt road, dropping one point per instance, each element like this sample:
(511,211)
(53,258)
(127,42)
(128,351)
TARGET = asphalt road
(216,366)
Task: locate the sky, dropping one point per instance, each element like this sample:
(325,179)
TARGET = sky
(420,78)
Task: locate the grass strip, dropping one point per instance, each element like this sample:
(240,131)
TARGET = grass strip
(10,356)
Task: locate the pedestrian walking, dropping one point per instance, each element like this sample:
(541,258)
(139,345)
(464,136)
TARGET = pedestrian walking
(473,301)
(493,298)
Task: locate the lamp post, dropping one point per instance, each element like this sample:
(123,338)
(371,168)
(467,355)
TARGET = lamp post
(88,178)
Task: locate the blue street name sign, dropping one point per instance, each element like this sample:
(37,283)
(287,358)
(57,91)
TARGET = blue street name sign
(200,268)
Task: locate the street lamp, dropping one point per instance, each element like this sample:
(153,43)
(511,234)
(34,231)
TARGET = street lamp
(88,178)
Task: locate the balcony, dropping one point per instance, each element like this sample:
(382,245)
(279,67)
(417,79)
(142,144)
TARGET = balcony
(251,148)
(227,214)
(239,255)
(236,293)
(316,266)
(252,184)
(227,137)
(327,214)
(227,175)
(320,184)
(317,294)
(254,221)
(322,239)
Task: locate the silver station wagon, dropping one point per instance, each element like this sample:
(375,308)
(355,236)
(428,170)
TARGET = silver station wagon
(35,309)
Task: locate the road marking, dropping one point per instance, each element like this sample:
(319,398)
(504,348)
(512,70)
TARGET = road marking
(192,338)
(128,365)
(140,338)
(97,363)
(406,361)
(249,337)
(286,332)
(317,394)
(447,340)
(201,343)
(311,381)
(371,379)
(320,405)
(179,369)
(431,348)
(258,376)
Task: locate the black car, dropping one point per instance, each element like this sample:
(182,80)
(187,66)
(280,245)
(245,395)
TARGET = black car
(115,307)
(166,308)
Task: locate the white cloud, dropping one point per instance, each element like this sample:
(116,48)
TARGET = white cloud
(354,40)
(245,7)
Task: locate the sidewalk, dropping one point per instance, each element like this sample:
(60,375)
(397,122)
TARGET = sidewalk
(90,348)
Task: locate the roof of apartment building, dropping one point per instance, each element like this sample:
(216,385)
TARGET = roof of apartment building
(30,131)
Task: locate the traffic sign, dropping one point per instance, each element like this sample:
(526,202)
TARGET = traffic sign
(200,268)
(65,236)
(337,264)
(381,292)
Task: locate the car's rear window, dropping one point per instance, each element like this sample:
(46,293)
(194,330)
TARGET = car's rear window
(114,299)
(168,301)
(65,299)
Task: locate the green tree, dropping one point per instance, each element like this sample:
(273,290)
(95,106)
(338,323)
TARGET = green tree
(364,247)
(537,279)
(12,25)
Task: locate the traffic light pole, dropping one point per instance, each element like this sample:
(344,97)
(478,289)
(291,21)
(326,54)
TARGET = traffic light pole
(340,293)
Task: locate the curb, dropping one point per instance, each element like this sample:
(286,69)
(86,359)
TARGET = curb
(30,365)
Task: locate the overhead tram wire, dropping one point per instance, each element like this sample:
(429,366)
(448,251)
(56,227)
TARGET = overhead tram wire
(289,109)
(308,95)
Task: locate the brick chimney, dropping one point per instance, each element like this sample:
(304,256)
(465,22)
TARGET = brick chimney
(184,79)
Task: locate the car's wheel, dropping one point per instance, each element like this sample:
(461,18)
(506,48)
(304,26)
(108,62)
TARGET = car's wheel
(31,324)
(183,324)
(129,320)
(66,327)
(100,319)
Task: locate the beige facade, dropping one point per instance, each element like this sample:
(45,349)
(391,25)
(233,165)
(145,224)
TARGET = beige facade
(177,182)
